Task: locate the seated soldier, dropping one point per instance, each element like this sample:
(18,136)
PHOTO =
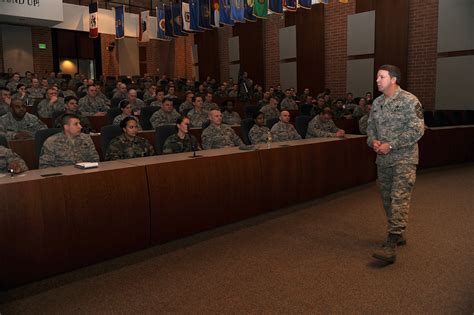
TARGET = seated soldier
(339,111)
(323,126)
(36,91)
(318,108)
(305,94)
(187,105)
(5,100)
(9,160)
(283,130)
(99,87)
(166,115)
(160,97)
(182,140)
(91,105)
(126,109)
(288,103)
(259,133)
(197,115)
(150,93)
(18,124)
(219,135)
(209,103)
(136,103)
(364,120)
(65,91)
(71,107)
(229,117)
(50,104)
(171,93)
(21,94)
(264,101)
(14,81)
(221,91)
(128,145)
(120,91)
(271,110)
(68,147)
(360,110)
(234,92)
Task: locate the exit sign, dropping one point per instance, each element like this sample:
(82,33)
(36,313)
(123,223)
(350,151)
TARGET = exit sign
(42,46)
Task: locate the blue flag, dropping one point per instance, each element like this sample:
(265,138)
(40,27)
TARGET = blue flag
(275,6)
(177,19)
(304,4)
(237,11)
(204,15)
(168,21)
(225,12)
(194,15)
(161,27)
(119,22)
(290,5)
(248,11)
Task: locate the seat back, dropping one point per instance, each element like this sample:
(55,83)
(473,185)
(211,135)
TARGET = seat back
(250,110)
(107,133)
(41,136)
(112,113)
(3,141)
(301,124)
(161,134)
(270,122)
(145,115)
(115,102)
(245,126)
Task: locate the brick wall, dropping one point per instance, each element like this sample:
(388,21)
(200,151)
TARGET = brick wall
(335,49)
(110,66)
(224,33)
(422,50)
(271,49)
(42,58)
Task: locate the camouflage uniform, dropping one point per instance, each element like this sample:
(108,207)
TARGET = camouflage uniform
(338,112)
(288,104)
(210,106)
(10,126)
(4,108)
(36,93)
(118,94)
(215,137)
(7,156)
(147,96)
(363,124)
(46,109)
(185,106)
(359,112)
(85,123)
(161,118)
(196,119)
(316,110)
(282,131)
(89,106)
(12,86)
(28,100)
(60,150)
(156,103)
(175,144)
(121,148)
(121,117)
(26,81)
(138,105)
(319,129)
(270,112)
(230,118)
(67,93)
(262,103)
(397,120)
(258,134)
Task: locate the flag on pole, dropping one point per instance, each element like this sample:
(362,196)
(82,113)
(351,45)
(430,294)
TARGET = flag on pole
(119,22)
(93,20)
(186,16)
(204,15)
(143,25)
(177,19)
(194,14)
(248,11)
(304,4)
(225,12)
(275,6)
(161,27)
(214,21)
(290,5)
(168,21)
(237,11)
(260,9)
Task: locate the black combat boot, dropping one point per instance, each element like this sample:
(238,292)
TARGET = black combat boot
(402,241)
(388,251)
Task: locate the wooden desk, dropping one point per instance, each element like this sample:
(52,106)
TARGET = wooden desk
(50,225)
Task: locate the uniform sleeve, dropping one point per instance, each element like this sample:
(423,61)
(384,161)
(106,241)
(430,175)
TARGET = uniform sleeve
(277,133)
(150,148)
(113,151)
(155,119)
(11,156)
(39,125)
(415,127)
(294,134)
(167,148)
(371,132)
(47,156)
(363,125)
(206,140)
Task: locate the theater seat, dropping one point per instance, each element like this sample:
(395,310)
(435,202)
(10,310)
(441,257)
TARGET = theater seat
(112,113)
(107,133)
(3,141)
(271,122)
(250,110)
(115,102)
(245,125)
(41,136)
(301,124)
(145,115)
(161,134)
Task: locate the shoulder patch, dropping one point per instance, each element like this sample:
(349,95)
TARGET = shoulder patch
(419,110)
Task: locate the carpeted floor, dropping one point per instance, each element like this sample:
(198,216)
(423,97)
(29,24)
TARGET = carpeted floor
(311,258)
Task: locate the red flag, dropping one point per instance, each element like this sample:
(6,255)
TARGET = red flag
(93,20)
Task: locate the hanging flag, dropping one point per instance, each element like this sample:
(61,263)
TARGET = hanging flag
(324,1)
(225,12)
(248,11)
(237,11)
(143,23)
(119,22)
(186,16)
(304,4)
(161,27)
(177,19)
(194,9)
(204,15)
(260,9)
(214,20)
(290,5)
(93,22)
(275,6)
(168,21)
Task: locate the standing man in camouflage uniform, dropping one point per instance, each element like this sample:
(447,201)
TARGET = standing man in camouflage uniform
(394,127)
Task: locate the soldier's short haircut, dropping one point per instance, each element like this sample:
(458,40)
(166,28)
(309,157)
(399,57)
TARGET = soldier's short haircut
(326,110)
(123,103)
(124,121)
(2,88)
(18,101)
(195,97)
(67,99)
(67,117)
(275,98)
(393,71)
(256,114)
(181,119)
